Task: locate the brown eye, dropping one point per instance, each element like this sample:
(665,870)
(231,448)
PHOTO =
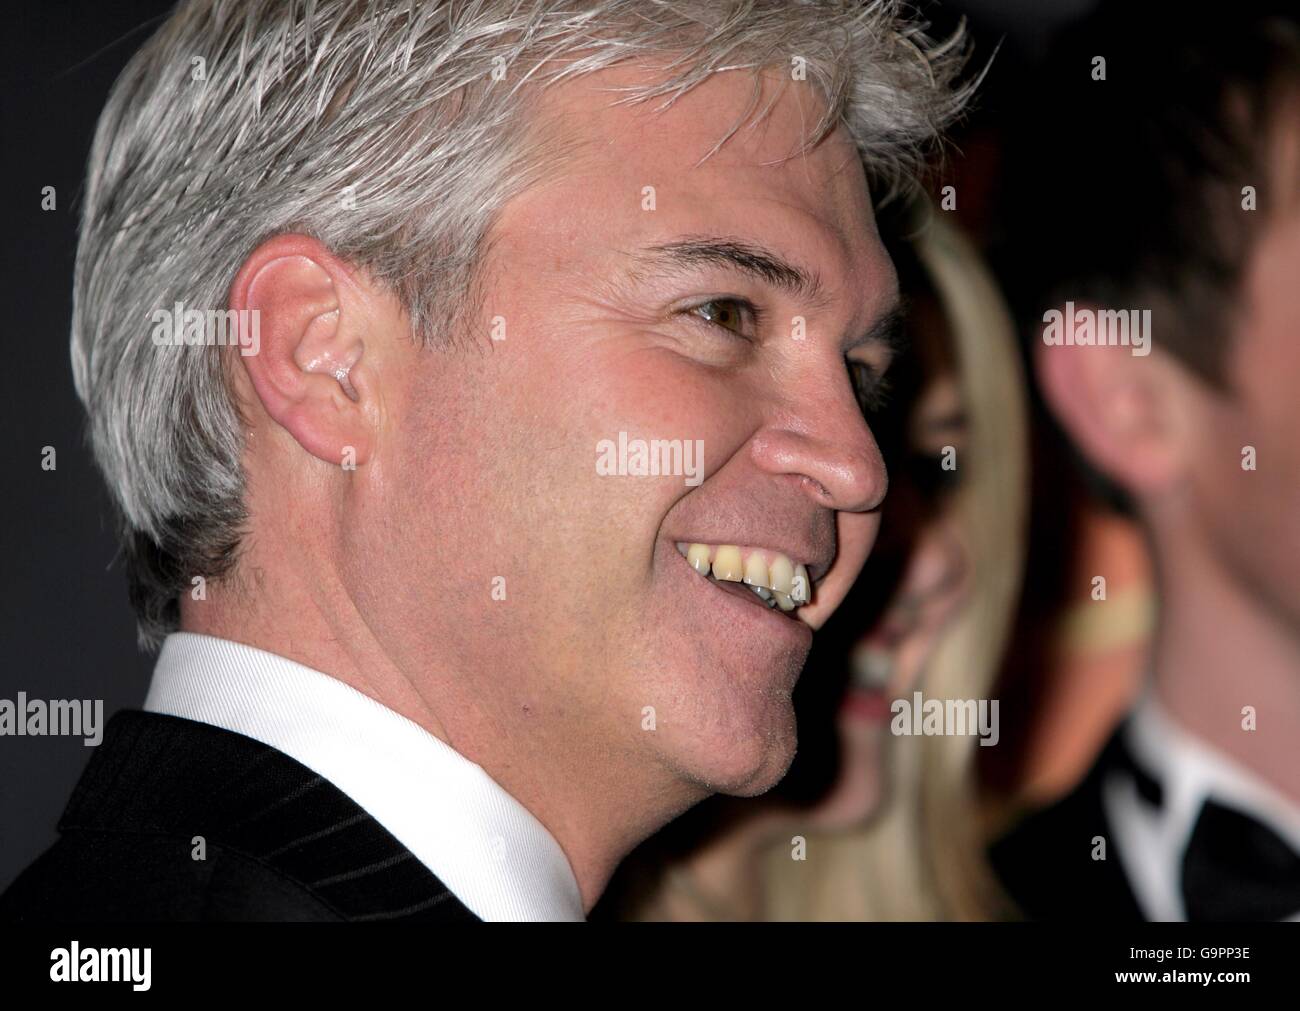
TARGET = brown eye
(728,313)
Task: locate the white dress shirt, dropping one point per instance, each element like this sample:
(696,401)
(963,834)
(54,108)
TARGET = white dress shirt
(1152,840)
(493,854)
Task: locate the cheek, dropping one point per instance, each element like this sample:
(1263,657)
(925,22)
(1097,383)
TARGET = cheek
(1264,504)
(563,418)
(1248,494)
(1265,415)
(664,395)
(1279,411)
(645,395)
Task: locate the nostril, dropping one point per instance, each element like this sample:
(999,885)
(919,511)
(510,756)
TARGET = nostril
(817,489)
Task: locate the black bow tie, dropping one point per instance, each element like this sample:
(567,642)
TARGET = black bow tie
(1235,867)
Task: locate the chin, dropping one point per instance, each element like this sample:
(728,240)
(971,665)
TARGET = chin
(741,760)
(731,725)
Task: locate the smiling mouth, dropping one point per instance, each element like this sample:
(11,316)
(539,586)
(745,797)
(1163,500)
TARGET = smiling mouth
(766,577)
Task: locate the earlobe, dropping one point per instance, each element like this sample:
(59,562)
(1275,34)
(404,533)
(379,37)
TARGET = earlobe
(308,371)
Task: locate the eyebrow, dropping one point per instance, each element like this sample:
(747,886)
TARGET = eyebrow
(743,256)
(888,331)
(767,266)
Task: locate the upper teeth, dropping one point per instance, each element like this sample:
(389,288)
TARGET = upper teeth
(770,574)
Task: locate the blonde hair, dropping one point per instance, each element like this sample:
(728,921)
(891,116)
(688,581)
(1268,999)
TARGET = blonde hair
(921,856)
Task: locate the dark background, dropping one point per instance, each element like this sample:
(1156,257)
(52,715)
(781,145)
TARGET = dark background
(66,628)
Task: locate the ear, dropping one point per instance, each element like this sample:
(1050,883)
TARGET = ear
(1123,411)
(308,367)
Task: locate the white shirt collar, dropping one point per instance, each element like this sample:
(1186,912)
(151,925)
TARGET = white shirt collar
(1151,841)
(493,854)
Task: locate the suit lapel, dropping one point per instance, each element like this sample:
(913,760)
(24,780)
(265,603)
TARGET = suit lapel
(158,774)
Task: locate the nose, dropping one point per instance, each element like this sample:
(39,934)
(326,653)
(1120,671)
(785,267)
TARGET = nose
(825,445)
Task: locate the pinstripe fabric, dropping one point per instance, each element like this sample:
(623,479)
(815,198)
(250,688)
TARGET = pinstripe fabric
(463,826)
(282,843)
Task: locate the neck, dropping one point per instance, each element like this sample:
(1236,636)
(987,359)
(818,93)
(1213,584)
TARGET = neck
(597,801)
(1218,650)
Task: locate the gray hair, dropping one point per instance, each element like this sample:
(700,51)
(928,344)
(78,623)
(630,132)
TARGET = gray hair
(243,119)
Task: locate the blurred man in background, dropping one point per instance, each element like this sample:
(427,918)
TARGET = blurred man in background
(1170,186)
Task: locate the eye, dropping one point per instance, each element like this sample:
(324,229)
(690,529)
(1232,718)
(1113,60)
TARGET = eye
(729,314)
(869,385)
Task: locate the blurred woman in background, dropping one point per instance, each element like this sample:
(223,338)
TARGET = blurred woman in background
(897,834)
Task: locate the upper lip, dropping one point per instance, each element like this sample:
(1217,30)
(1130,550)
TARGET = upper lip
(817,563)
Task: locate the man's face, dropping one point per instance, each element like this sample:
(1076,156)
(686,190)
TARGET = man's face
(599,633)
(1254,515)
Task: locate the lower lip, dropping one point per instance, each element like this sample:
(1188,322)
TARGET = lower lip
(868,706)
(790,630)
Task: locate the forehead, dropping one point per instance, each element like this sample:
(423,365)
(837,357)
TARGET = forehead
(635,174)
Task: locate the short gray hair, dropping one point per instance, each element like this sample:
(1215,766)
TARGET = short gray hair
(243,119)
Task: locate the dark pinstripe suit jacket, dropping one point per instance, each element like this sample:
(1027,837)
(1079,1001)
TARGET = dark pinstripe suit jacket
(282,843)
